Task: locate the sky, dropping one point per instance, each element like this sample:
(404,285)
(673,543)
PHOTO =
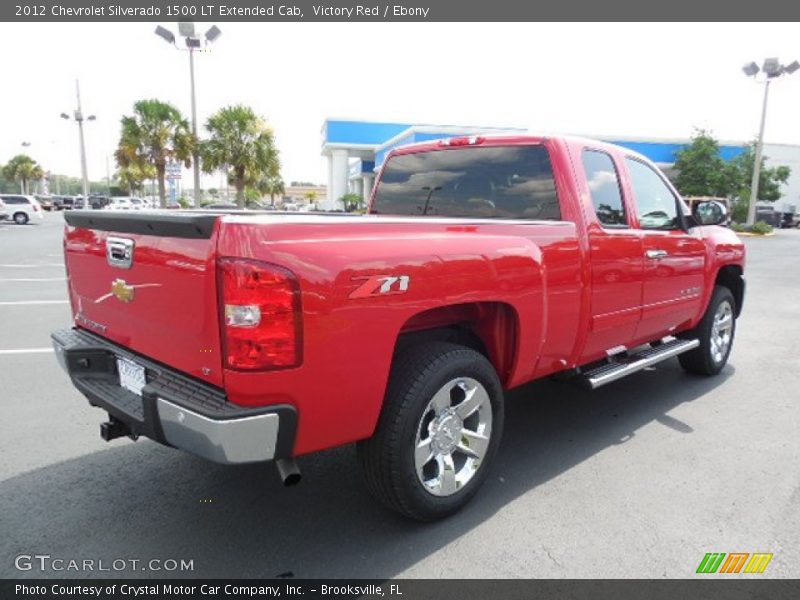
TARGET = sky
(644,80)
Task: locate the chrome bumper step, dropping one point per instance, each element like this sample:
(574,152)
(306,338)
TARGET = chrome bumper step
(624,366)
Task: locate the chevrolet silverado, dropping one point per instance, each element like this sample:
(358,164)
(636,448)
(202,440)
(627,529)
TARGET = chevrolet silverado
(482,264)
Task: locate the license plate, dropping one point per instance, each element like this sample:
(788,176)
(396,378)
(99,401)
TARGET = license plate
(131,375)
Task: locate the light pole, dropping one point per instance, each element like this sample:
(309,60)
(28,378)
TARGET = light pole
(186,31)
(108,178)
(772,69)
(79,118)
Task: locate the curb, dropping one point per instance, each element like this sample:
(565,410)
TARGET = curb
(748,234)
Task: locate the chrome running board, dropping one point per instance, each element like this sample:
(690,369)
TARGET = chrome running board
(624,366)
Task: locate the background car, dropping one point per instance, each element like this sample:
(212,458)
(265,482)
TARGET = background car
(22,209)
(46,202)
(97,201)
(766,212)
(119,203)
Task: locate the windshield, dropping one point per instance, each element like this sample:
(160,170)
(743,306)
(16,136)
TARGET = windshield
(514,182)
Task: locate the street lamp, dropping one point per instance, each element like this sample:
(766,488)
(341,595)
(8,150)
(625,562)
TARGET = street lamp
(79,118)
(772,69)
(193,42)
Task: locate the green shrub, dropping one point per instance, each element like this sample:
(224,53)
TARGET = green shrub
(761,227)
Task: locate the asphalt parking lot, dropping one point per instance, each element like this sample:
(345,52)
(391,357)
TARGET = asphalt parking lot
(639,479)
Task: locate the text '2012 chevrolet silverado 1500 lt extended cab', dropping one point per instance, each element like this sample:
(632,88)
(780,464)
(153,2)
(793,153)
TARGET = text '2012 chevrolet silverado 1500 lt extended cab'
(482,264)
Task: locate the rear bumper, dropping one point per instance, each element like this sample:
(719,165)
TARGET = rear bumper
(174,409)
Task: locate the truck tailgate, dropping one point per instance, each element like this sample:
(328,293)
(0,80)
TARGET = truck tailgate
(147,281)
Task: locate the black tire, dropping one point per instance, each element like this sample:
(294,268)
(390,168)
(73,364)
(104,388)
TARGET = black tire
(20,218)
(387,458)
(702,360)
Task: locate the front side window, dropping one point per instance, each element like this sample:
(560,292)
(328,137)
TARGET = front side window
(656,205)
(603,181)
(511,182)
(14,200)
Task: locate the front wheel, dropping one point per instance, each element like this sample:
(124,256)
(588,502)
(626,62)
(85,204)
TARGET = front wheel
(438,432)
(715,331)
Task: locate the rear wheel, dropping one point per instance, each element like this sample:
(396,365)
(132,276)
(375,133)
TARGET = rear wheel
(715,331)
(438,432)
(20,218)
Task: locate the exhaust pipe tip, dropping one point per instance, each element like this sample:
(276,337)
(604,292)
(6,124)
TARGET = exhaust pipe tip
(288,471)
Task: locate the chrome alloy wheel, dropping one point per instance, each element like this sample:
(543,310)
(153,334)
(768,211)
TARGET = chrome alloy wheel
(721,331)
(453,436)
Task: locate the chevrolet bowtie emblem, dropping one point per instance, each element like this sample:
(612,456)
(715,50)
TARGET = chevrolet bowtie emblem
(122,291)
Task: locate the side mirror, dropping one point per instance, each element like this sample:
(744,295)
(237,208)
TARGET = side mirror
(710,212)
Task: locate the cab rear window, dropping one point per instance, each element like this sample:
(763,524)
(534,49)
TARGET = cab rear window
(489,182)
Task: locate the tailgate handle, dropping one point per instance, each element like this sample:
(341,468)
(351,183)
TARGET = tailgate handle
(119,252)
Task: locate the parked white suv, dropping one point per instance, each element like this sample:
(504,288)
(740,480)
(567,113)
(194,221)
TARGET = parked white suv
(119,203)
(21,209)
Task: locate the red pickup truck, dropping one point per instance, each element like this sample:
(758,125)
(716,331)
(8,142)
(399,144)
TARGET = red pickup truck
(482,264)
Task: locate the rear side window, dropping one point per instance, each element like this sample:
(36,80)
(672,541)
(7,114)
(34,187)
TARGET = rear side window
(492,182)
(14,200)
(656,205)
(604,189)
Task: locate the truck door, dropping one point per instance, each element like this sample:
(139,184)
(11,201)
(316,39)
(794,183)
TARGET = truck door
(674,259)
(615,247)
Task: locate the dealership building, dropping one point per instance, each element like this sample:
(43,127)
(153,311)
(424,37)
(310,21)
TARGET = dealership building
(355,150)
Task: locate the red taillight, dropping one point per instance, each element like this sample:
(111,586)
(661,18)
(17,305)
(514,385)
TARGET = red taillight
(462,141)
(35,207)
(261,318)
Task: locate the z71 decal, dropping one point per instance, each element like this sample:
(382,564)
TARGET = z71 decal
(382,285)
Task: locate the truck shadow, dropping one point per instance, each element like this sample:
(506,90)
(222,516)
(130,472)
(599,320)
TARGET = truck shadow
(147,502)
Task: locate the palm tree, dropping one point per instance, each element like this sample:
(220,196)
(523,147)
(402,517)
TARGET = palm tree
(134,175)
(24,169)
(311,198)
(352,202)
(241,142)
(155,134)
(273,186)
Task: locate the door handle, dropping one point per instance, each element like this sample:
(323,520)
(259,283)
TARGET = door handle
(656,254)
